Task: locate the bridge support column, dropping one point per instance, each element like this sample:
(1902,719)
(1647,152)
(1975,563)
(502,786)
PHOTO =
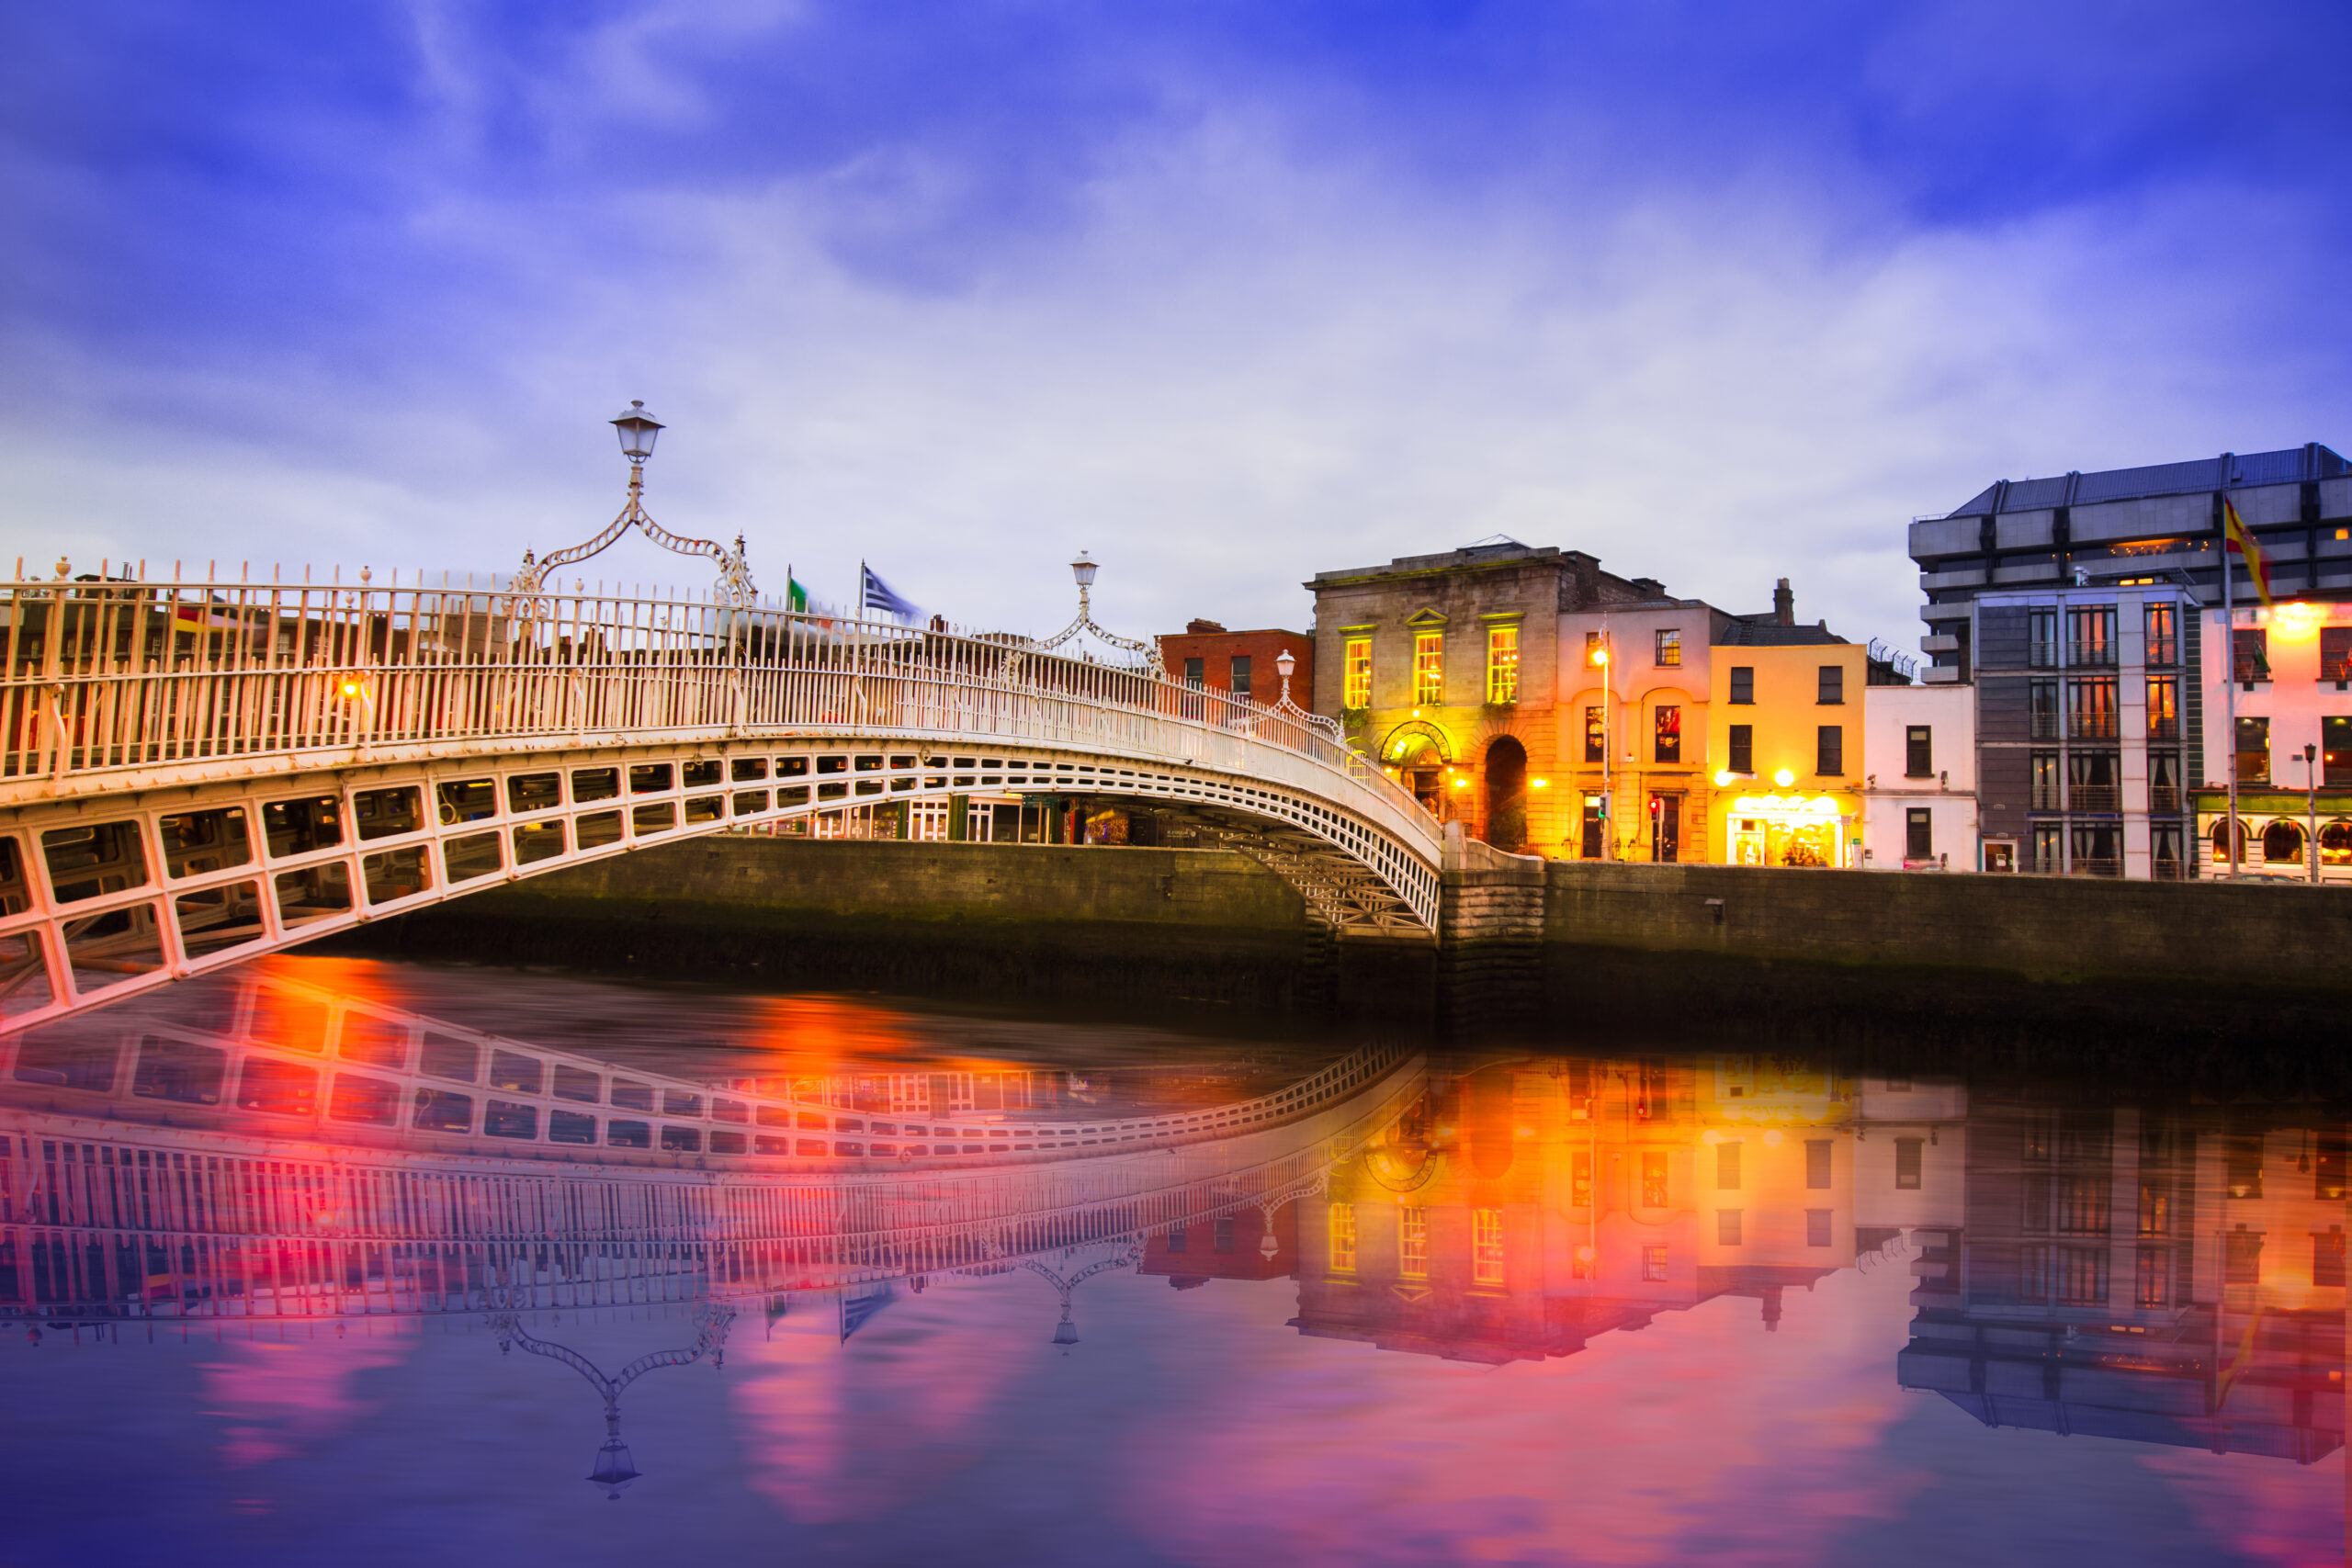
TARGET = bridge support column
(1490,937)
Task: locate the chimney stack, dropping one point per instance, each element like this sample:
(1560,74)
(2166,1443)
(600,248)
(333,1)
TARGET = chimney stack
(1784,604)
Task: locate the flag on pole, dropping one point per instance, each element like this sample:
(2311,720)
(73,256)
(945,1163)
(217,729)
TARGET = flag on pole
(796,597)
(2239,541)
(879,596)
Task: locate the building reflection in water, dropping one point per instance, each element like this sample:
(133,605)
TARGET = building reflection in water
(261,1150)
(2167,1275)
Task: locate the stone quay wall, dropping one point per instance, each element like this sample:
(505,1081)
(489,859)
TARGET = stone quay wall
(1205,928)
(2104,971)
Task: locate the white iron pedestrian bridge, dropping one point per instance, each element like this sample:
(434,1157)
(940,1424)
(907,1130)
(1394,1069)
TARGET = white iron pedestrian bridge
(193,773)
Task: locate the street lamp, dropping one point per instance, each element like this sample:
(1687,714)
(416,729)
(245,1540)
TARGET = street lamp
(638,430)
(1083,569)
(2311,804)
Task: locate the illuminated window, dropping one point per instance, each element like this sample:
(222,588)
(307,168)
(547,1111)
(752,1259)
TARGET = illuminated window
(1413,1243)
(1428,667)
(1502,664)
(1727,1227)
(1596,737)
(2162,623)
(2241,1256)
(1727,1165)
(1654,1263)
(1486,1246)
(1667,737)
(1654,1193)
(1357,664)
(1343,1238)
(1580,1178)
(2163,707)
(2150,1288)
(2253,750)
(1669,649)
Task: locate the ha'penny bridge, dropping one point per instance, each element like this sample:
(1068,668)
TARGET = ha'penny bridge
(195,769)
(286,1155)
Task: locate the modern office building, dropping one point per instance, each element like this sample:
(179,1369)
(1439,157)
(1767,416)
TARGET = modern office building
(2077,609)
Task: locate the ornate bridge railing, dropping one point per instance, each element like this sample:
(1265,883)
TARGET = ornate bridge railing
(115,677)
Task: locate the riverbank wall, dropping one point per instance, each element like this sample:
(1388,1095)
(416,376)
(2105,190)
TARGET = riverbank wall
(2102,974)
(1129,928)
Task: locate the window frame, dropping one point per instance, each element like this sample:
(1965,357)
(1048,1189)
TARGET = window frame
(1502,665)
(1355,673)
(1830,689)
(1429,667)
(1667,648)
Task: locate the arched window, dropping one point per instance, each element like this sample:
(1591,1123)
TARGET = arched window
(2335,844)
(2283,843)
(2222,843)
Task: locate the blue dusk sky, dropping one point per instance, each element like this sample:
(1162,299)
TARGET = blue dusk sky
(1226,293)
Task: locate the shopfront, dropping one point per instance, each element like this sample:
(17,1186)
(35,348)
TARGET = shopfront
(1791,830)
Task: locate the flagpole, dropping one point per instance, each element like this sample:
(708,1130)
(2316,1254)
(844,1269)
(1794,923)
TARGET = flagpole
(2230,668)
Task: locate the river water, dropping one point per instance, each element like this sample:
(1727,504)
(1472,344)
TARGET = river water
(1504,1305)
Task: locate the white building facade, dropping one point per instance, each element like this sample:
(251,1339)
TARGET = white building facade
(1919,779)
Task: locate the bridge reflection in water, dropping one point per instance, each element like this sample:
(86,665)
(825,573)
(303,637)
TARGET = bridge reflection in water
(2166,1273)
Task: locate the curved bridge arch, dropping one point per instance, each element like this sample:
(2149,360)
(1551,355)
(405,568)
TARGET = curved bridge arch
(191,776)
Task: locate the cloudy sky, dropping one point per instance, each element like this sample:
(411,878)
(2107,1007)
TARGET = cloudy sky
(1226,293)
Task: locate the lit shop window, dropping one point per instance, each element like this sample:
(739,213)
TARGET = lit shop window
(1654,1193)
(1486,1246)
(1357,665)
(1428,667)
(1413,1243)
(1502,664)
(1343,1238)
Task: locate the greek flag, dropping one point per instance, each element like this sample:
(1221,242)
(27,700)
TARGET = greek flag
(880,595)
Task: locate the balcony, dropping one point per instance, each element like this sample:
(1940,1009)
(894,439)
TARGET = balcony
(2336,667)
(1941,675)
(2041,654)
(2164,728)
(2167,869)
(2163,650)
(2246,671)
(2090,655)
(2089,726)
(2044,797)
(2045,727)
(2087,867)
(2164,799)
(2096,797)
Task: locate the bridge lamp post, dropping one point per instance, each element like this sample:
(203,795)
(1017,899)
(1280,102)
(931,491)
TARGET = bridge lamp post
(638,432)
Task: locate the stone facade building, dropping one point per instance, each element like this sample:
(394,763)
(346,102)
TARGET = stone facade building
(1446,669)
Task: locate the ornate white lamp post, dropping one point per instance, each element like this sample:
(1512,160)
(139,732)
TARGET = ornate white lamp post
(1083,568)
(638,431)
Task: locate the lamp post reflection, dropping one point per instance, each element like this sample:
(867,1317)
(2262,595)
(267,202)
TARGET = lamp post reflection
(1130,1253)
(615,1467)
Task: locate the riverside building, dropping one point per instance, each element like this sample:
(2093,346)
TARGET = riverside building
(2077,609)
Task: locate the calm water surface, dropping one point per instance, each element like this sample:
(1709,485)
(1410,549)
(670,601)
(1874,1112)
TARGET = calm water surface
(257,1235)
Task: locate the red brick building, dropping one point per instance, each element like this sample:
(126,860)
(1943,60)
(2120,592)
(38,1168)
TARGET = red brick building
(1233,1247)
(1205,654)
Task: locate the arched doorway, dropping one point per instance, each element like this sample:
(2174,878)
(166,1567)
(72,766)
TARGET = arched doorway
(2282,843)
(1416,753)
(2222,843)
(1506,796)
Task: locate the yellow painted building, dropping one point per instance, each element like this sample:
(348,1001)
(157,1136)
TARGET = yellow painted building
(1784,729)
